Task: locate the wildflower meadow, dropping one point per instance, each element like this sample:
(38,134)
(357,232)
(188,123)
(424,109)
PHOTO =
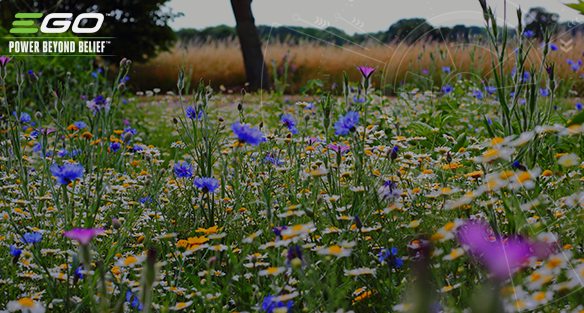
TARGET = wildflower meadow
(462,197)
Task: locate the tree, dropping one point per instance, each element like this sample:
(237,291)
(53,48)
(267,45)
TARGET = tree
(539,19)
(139,27)
(251,46)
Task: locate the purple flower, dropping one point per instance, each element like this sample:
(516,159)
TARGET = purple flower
(339,148)
(183,169)
(446,69)
(207,184)
(247,134)
(4,60)
(289,122)
(578,106)
(528,33)
(544,92)
(67,173)
(99,104)
(83,235)
(14,251)
(501,257)
(347,123)
(366,71)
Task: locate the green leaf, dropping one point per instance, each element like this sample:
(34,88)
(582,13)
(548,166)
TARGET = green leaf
(577,6)
(576,120)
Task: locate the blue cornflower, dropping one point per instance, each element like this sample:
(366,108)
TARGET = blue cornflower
(274,161)
(247,134)
(575,67)
(490,90)
(526,77)
(544,92)
(145,199)
(138,147)
(14,251)
(512,95)
(75,152)
(570,62)
(67,173)
(289,122)
(192,113)
(133,131)
(24,117)
(115,146)
(34,134)
(478,94)
(447,89)
(390,257)
(446,69)
(37,148)
(79,272)
(358,100)
(134,300)
(207,184)
(293,253)
(528,33)
(94,74)
(80,125)
(183,169)
(522,101)
(269,304)
(278,230)
(31,238)
(347,123)
(578,106)
(63,153)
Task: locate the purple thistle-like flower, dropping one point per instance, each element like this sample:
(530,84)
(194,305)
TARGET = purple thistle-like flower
(366,71)
(83,235)
(247,134)
(207,184)
(67,173)
(192,113)
(4,60)
(347,123)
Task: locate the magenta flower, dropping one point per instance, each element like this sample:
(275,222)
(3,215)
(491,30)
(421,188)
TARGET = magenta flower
(83,235)
(339,148)
(502,257)
(46,131)
(367,71)
(4,60)
(310,141)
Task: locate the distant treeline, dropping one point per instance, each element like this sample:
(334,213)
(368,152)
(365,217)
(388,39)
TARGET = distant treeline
(408,30)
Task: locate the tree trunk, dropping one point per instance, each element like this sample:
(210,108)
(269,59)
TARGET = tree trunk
(251,46)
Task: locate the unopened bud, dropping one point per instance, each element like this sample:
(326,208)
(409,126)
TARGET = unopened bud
(174,120)
(116,223)
(38,115)
(296,262)
(123,63)
(127,137)
(221,120)
(239,107)
(211,260)
(122,87)
(32,77)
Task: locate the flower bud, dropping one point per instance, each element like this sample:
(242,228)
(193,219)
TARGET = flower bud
(239,107)
(127,137)
(307,117)
(32,77)
(38,115)
(116,223)
(123,63)
(122,87)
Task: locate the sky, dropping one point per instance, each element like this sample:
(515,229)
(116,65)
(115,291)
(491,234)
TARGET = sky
(358,16)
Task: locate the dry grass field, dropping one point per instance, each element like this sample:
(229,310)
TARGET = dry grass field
(221,62)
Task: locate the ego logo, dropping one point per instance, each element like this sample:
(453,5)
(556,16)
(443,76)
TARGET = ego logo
(60,24)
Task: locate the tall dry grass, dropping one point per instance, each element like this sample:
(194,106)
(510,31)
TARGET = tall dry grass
(221,62)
